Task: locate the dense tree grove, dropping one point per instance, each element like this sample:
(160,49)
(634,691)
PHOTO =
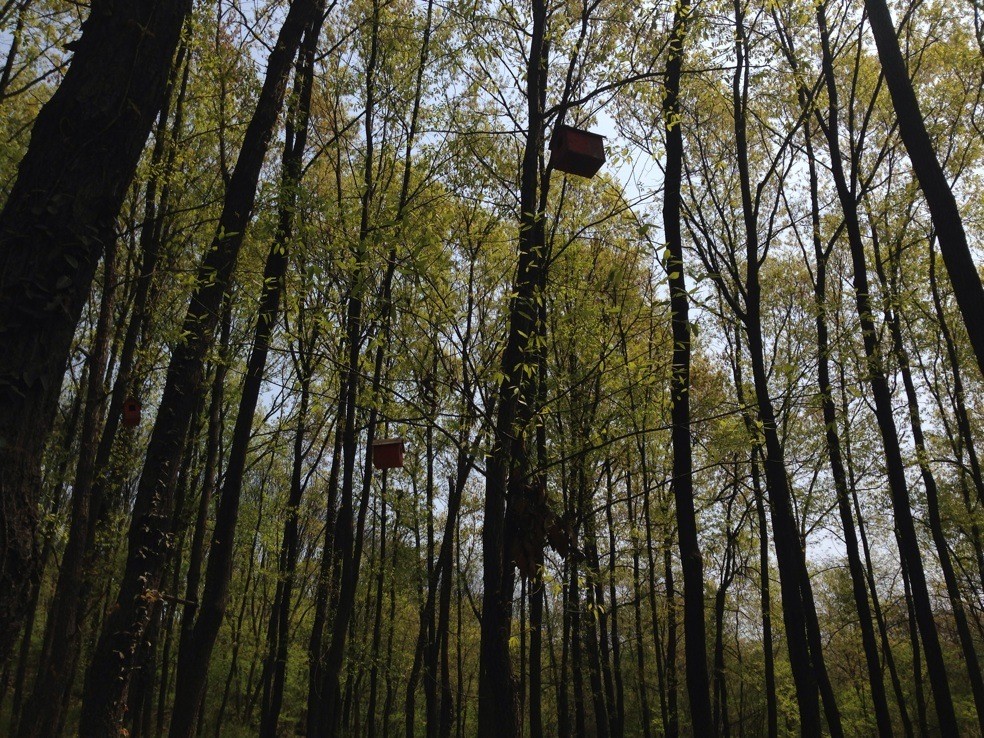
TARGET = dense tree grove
(690,445)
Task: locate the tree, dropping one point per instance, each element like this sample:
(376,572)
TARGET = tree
(151,523)
(683,489)
(54,228)
(949,225)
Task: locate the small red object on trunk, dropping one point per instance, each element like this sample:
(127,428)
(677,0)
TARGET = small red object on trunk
(576,152)
(387,453)
(131,413)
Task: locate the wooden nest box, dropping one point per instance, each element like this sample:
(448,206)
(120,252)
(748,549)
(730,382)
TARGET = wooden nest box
(387,453)
(576,152)
(131,413)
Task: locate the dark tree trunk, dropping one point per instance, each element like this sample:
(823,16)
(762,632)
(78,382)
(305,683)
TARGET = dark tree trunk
(618,704)
(720,720)
(869,569)
(672,711)
(904,523)
(695,644)
(303,18)
(917,670)
(594,622)
(498,713)
(537,596)
(292,161)
(643,690)
(963,442)
(57,221)
(577,667)
(799,609)
(878,695)
(151,524)
(765,585)
(56,672)
(278,631)
(428,629)
(765,600)
(932,180)
(932,493)
(325,717)
(90,491)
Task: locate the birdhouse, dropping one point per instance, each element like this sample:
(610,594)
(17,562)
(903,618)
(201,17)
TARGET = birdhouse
(131,413)
(576,152)
(387,453)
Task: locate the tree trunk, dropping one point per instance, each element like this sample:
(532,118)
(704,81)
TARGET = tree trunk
(150,528)
(498,714)
(695,645)
(291,164)
(57,221)
(43,711)
(618,705)
(303,18)
(943,208)
(932,494)
(878,696)
(905,525)
(637,597)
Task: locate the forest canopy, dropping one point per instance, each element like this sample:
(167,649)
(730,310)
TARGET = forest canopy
(333,401)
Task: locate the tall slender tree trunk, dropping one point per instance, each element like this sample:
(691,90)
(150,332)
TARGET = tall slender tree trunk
(869,568)
(799,610)
(498,713)
(937,531)
(149,534)
(291,170)
(695,645)
(964,443)
(278,631)
(765,584)
(905,525)
(943,208)
(922,713)
(304,18)
(721,721)
(618,705)
(640,650)
(43,711)
(672,711)
(346,549)
(58,219)
(64,627)
(765,600)
(594,619)
(323,595)
(537,596)
(879,698)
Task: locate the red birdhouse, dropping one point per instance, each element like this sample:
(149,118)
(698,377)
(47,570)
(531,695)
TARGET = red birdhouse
(131,413)
(576,152)
(387,453)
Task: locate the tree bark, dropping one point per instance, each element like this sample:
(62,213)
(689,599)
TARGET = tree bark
(799,610)
(498,709)
(695,638)
(149,534)
(905,525)
(59,217)
(937,531)
(943,208)
(878,695)
(303,18)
